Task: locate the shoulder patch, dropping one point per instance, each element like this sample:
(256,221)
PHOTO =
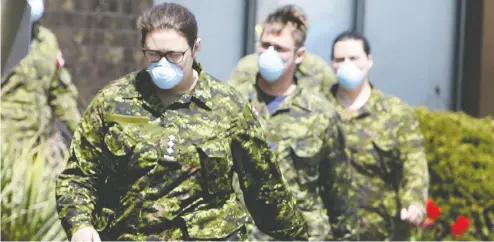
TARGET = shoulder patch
(60,60)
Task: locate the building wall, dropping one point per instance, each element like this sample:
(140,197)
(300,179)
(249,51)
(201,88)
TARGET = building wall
(477,79)
(413,46)
(98,38)
(487,68)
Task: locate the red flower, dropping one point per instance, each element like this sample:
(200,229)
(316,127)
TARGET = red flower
(433,211)
(460,226)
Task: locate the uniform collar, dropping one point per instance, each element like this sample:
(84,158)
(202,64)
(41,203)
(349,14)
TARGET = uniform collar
(296,99)
(374,104)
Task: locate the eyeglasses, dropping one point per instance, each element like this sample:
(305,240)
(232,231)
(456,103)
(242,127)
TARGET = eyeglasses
(156,55)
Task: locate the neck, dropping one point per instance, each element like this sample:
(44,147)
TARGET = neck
(355,98)
(188,84)
(282,87)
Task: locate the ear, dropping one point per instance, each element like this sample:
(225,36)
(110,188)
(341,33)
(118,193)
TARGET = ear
(196,48)
(300,55)
(371,61)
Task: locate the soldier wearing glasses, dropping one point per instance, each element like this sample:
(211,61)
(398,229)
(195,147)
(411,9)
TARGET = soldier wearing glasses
(154,155)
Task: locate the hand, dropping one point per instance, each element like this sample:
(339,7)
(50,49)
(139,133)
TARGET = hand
(414,214)
(86,234)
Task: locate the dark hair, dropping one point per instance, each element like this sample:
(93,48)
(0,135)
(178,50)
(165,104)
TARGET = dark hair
(288,14)
(352,35)
(168,16)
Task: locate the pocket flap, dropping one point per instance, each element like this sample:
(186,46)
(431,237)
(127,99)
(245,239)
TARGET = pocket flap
(308,147)
(382,145)
(214,148)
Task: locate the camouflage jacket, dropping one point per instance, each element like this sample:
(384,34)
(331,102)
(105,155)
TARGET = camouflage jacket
(304,133)
(387,170)
(313,73)
(36,88)
(151,172)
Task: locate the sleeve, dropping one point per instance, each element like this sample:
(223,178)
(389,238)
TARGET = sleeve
(415,182)
(333,169)
(268,200)
(76,187)
(335,156)
(63,96)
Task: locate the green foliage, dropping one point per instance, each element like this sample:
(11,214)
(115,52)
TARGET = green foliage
(460,152)
(28,182)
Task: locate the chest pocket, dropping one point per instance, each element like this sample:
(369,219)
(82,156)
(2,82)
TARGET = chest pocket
(379,155)
(306,156)
(135,142)
(216,164)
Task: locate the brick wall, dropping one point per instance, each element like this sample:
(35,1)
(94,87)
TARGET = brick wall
(98,38)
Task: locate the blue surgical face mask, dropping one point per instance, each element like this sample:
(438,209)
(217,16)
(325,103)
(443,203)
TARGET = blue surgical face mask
(349,75)
(271,65)
(164,74)
(37,9)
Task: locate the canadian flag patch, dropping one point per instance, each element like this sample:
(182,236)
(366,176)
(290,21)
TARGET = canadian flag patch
(60,60)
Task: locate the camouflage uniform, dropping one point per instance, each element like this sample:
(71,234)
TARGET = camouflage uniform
(150,172)
(304,133)
(387,170)
(36,88)
(313,73)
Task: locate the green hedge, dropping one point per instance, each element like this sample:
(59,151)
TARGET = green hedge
(460,152)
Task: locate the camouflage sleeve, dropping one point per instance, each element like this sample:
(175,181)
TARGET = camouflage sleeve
(415,182)
(63,97)
(268,200)
(77,184)
(336,180)
(335,154)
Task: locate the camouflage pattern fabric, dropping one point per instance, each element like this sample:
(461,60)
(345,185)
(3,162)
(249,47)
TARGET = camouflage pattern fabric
(36,89)
(387,171)
(150,172)
(313,73)
(304,133)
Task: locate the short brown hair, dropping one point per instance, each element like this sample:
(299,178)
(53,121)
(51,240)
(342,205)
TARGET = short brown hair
(288,15)
(168,16)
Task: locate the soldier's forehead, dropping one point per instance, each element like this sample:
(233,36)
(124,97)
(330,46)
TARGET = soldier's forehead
(279,35)
(167,39)
(349,47)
